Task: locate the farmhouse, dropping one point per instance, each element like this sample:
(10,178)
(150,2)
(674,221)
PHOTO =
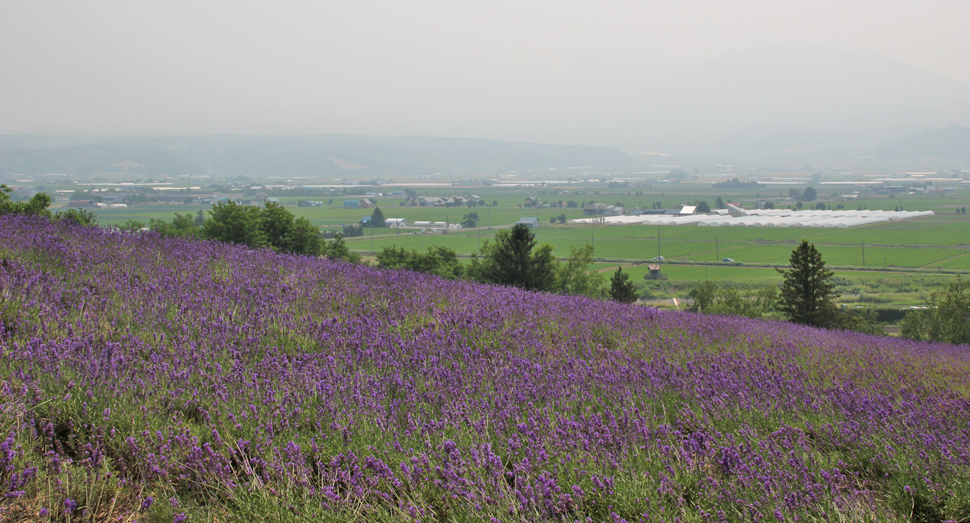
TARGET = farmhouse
(532,223)
(430,201)
(601,209)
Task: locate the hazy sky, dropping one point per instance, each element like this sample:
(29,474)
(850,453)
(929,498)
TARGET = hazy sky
(549,71)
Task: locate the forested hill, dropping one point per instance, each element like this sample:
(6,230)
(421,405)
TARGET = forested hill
(339,155)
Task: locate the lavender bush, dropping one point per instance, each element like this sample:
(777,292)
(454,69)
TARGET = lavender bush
(157,379)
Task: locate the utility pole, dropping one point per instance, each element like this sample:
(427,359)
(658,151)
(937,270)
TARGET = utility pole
(717,255)
(863,253)
(372,238)
(658,241)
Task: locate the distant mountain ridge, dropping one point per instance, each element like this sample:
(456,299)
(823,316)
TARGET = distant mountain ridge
(949,144)
(297,155)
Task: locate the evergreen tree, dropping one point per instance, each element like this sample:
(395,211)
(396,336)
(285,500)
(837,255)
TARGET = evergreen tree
(470,220)
(510,260)
(377,218)
(622,289)
(719,203)
(806,295)
(703,207)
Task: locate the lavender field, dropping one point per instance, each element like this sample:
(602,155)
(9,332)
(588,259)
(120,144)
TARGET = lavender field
(144,379)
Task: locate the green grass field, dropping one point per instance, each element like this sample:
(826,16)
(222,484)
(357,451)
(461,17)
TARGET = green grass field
(935,242)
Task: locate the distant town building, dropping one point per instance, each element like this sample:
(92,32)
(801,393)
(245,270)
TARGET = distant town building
(602,209)
(430,201)
(532,223)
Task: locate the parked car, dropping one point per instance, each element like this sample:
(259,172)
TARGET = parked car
(729,260)
(657,258)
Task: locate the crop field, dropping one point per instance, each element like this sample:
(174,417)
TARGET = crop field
(935,242)
(157,379)
(691,243)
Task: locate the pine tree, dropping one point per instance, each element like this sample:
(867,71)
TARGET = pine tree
(622,289)
(806,295)
(510,260)
(377,218)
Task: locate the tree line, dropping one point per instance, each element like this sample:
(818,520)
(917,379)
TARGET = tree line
(514,258)
(269,227)
(39,205)
(807,296)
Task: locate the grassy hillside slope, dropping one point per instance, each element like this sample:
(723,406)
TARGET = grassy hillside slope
(155,380)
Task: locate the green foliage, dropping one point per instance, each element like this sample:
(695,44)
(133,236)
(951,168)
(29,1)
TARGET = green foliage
(182,226)
(276,223)
(946,318)
(709,297)
(377,219)
(37,205)
(809,194)
(622,289)
(575,277)
(132,226)
(338,250)
(305,238)
(719,203)
(806,295)
(470,220)
(440,261)
(703,207)
(234,223)
(510,260)
(272,226)
(353,231)
(81,217)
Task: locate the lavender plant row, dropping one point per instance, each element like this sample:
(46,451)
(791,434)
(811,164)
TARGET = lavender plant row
(158,380)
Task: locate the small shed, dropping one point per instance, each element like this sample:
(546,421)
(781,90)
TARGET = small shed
(532,223)
(654,273)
